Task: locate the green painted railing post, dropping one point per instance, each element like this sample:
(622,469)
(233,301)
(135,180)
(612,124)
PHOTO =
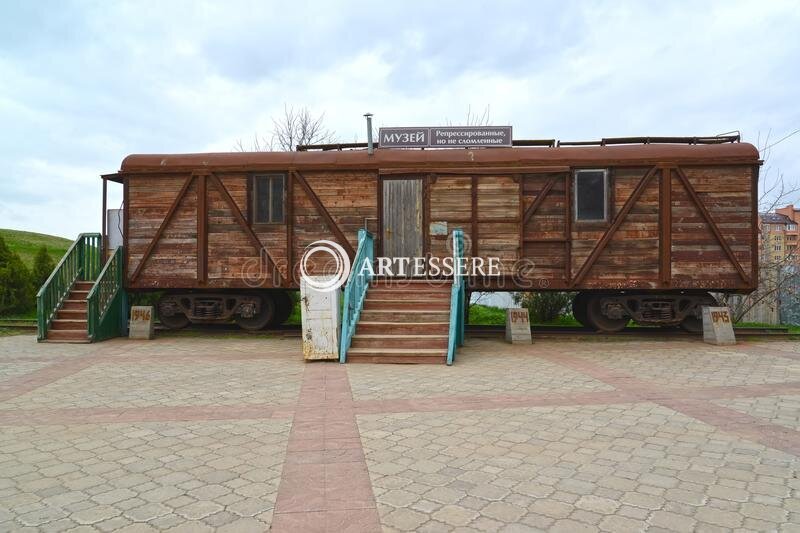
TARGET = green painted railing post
(41,324)
(356,290)
(462,311)
(82,249)
(457,299)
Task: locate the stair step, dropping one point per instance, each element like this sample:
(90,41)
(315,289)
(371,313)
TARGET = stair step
(69,324)
(403,294)
(401,304)
(77,294)
(74,305)
(408,328)
(404,315)
(412,285)
(83,285)
(410,279)
(397,351)
(68,335)
(375,341)
(396,355)
(71,314)
(399,360)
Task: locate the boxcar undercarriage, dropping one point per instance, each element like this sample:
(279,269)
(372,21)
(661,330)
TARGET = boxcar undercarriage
(250,310)
(611,311)
(606,311)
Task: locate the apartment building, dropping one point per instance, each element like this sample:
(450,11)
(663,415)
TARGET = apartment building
(773,234)
(791,237)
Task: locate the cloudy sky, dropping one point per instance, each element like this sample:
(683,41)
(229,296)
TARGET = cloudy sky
(82,84)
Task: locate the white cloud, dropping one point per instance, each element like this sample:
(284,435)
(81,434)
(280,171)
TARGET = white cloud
(84,85)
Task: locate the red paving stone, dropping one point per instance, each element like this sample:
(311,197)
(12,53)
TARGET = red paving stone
(687,402)
(468,403)
(633,394)
(19,385)
(738,423)
(325,485)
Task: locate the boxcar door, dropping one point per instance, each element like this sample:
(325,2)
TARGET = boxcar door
(402,217)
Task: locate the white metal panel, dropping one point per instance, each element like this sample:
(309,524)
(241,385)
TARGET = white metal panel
(320,312)
(113,228)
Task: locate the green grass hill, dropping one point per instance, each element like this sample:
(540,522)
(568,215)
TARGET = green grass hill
(26,244)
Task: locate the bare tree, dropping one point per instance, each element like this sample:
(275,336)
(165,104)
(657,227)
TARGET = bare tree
(300,127)
(773,191)
(295,127)
(474,119)
(477,298)
(260,144)
(777,276)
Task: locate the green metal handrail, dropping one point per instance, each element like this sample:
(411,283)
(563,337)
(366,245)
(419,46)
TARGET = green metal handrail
(355,291)
(106,301)
(81,262)
(457,298)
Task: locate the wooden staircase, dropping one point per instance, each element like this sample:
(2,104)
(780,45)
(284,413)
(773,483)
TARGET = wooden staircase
(70,323)
(70,308)
(403,321)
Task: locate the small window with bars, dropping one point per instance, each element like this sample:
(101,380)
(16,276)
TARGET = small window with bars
(269,198)
(591,195)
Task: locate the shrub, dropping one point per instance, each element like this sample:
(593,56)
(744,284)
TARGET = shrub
(43,266)
(16,285)
(545,306)
(486,315)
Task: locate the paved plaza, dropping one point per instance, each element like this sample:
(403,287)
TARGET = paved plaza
(239,434)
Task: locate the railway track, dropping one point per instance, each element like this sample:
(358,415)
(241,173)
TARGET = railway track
(18,325)
(478,331)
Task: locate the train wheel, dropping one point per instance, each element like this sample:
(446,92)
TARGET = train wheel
(170,315)
(692,323)
(262,318)
(579,309)
(284,305)
(600,321)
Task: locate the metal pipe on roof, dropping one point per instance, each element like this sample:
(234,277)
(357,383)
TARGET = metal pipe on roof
(370,147)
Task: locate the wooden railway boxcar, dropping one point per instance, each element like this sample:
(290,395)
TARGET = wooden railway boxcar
(639,230)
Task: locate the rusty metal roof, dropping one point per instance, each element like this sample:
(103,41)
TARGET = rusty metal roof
(389,158)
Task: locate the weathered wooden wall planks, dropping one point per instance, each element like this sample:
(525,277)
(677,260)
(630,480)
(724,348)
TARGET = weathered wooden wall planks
(402,217)
(512,215)
(173,254)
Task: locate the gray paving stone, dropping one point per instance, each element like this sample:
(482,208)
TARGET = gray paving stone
(616,463)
